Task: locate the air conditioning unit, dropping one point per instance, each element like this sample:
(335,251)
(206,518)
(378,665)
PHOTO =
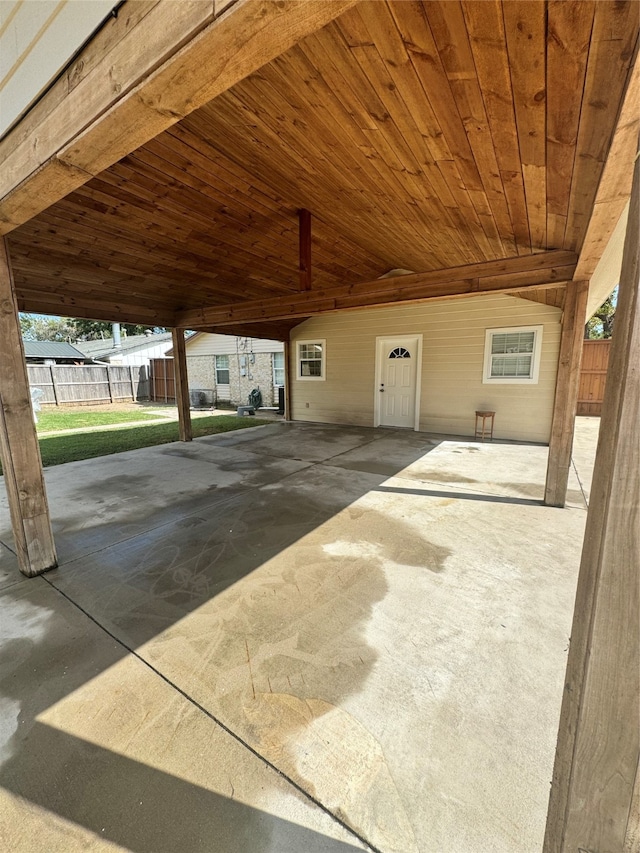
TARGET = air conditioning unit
(201,398)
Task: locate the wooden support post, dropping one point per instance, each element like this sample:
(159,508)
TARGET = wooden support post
(287,381)
(304,221)
(181,384)
(56,396)
(21,463)
(133,384)
(591,806)
(566,399)
(109,384)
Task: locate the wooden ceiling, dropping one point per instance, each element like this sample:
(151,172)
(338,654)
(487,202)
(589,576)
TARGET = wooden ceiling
(421,136)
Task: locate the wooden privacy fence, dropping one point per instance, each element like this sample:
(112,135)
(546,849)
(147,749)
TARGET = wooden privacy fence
(593,375)
(90,383)
(162,382)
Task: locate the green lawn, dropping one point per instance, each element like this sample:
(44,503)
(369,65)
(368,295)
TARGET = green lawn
(48,420)
(56,449)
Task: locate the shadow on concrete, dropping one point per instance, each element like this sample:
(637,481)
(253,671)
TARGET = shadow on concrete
(175,557)
(460,496)
(144,809)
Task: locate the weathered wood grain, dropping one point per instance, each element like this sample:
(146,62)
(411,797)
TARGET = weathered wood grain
(598,749)
(503,276)
(566,397)
(21,463)
(182,385)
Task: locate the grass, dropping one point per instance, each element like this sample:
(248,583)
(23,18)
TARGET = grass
(56,449)
(50,421)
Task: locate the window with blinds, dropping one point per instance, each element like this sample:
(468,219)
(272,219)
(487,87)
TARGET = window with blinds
(513,355)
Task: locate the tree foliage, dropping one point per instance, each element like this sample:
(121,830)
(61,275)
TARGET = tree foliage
(36,327)
(601,324)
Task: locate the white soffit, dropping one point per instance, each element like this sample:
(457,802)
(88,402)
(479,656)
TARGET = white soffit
(607,274)
(37,40)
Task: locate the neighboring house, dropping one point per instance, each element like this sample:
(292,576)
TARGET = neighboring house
(52,352)
(135,350)
(233,366)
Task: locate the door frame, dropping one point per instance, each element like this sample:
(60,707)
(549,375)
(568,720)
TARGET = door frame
(402,340)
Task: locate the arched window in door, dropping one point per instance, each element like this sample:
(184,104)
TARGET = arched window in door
(399,352)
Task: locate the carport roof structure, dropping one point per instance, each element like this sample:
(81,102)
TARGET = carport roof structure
(240,166)
(160,180)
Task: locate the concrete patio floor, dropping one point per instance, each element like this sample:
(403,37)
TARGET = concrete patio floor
(291,638)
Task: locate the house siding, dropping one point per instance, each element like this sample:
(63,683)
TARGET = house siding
(208,344)
(201,351)
(452,390)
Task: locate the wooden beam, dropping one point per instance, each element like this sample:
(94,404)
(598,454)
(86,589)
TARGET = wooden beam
(129,98)
(566,398)
(545,269)
(66,305)
(304,219)
(287,381)
(182,384)
(594,790)
(21,463)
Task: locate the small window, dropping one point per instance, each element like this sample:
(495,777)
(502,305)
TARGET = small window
(222,370)
(311,358)
(278,368)
(512,356)
(399,352)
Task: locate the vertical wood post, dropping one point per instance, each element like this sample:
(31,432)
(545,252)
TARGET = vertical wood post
(21,463)
(304,230)
(109,384)
(131,379)
(591,806)
(566,398)
(181,383)
(287,381)
(54,384)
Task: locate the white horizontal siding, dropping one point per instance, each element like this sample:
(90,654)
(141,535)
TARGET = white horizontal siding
(37,39)
(207,344)
(452,364)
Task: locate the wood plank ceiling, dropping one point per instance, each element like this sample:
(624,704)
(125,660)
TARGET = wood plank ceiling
(421,136)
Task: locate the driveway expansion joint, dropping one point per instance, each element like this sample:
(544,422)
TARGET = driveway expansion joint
(213,718)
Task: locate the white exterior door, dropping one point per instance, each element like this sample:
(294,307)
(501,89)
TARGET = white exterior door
(397,372)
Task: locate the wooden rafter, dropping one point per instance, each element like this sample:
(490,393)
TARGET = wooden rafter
(504,276)
(304,218)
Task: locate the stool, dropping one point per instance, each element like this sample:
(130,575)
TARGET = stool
(484,425)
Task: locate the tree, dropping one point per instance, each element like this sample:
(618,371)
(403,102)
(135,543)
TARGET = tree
(91,330)
(36,327)
(601,324)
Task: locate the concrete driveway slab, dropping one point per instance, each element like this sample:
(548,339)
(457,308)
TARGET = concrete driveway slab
(310,442)
(9,574)
(104,755)
(96,503)
(387,626)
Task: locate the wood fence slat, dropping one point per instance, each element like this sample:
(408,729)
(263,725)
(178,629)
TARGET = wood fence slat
(89,383)
(593,375)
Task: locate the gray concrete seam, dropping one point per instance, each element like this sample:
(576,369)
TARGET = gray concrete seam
(213,718)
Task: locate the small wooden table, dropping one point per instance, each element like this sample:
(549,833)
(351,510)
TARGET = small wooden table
(484,425)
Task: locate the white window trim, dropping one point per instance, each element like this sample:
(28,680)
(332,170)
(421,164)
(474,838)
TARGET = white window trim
(274,368)
(323,363)
(487,379)
(227,368)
